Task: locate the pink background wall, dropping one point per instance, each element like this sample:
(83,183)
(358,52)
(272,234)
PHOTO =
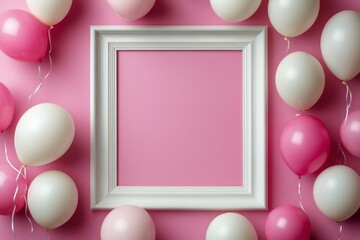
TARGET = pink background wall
(69,86)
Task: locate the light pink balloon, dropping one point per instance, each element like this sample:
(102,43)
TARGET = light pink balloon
(305,144)
(8,185)
(6,107)
(350,133)
(287,222)
(22,36)
(128,222)
(133,9)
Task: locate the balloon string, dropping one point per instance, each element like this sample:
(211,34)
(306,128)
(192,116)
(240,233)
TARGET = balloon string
(340,230)
(348,99)
(14,200)
(288,44)
(340,149)
(46,234)
(42,80)
(7,156)
(26,203)
(299,194)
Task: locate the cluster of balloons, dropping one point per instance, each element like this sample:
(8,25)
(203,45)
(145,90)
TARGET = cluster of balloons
(42,135)
(305,140)
(131,10)
(24,35)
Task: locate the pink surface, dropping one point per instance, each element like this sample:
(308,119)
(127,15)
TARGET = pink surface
(69,86)
(180,118)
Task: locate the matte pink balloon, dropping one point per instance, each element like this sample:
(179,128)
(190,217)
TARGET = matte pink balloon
(305,144)
(133,9)
(350,133)
(128,222)
(22,36)
(6,107)
(8,185)
(287,223)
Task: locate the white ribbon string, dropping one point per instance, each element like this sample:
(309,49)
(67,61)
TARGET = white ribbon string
(288,44)
(42,80)
(340,230)
(299,194)
(343,155)
(348,100)
(26,205)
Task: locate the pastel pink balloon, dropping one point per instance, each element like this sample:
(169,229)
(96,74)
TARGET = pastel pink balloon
(22,36)
(305,144)
(6,107)
(133,9)
(350,133)
(128,222)
(287,223)
(8,185)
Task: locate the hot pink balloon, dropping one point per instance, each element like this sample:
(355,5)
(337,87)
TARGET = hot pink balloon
(287,222)
(350,133)
(6,107)
(128,222)
(22,36)
(305,144)
(133,9)
(8,186)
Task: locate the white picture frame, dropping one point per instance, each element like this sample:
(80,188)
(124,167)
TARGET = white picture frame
(105,42)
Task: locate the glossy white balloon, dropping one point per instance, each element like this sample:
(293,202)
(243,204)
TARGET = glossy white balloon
(300,80)
(235,10)
(337,192)
(43,134)
(340,46)
(231,226)
(292,18)
(52,199)
(49,12)
(133,9)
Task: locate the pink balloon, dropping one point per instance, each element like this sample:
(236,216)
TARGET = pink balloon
(350,133)
(133,9)
(6,107)
(22,36)
(305,144)
(128,222)
(8,185)
(287,223)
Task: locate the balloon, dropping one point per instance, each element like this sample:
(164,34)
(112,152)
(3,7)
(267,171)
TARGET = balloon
(287,222)
(231,226)
(50,12)
(350,133)
(235,10)
(340,44)
(300,80)
(8,186)
(22,36)
(128,222)
(52,199)
(43,134)
(337,192)
(292,18)
(133,9)
(6,107)
(305,144)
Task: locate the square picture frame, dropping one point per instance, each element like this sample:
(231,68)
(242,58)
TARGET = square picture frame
(106,41)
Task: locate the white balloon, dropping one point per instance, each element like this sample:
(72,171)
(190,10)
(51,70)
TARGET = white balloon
(49,12)
(52,199)
(235,10)
(340,46)
(293,17)
(231,226)
(337,192)
(43,134)
(300,80)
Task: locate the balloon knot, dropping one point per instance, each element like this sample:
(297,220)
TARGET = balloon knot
(52,26)
(344,83)
(285,39)
(46,229)
(23,166)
